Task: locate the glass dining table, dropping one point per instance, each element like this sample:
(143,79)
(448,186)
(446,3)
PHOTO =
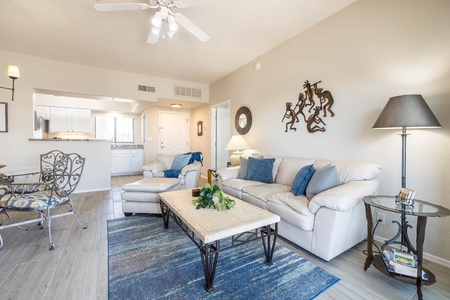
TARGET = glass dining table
(18,174)
(12,173)
(9,175)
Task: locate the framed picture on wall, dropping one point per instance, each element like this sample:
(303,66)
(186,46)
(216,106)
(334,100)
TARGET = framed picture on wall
(3,117)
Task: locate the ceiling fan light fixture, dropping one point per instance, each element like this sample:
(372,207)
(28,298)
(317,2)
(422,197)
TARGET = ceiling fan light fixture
(172,24)
(170,33)
(156,30)
(157,19)
(165,17)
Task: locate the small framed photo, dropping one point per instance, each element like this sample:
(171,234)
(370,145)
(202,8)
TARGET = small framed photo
(3,117)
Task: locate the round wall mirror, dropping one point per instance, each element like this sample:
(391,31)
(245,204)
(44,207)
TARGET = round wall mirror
(243,120)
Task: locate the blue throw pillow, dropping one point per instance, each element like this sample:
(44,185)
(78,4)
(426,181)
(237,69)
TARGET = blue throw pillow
(260,169)
(301,180)
(180,161)
(322,179)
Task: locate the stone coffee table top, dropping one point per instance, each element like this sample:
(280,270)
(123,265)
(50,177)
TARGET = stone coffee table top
(209,224)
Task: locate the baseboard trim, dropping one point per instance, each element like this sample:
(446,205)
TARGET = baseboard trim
(427,256)
(91,190)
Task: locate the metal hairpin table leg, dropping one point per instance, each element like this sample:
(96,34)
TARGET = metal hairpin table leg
(209,254)
(267,233)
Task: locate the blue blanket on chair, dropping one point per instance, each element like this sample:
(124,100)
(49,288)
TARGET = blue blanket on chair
(195,156)
(172,173)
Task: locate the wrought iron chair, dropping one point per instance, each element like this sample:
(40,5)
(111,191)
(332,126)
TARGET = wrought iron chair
(60,174)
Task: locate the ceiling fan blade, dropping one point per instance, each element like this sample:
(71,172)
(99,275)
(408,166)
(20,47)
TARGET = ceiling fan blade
(192,28)
(191,3)
(152,38)
(122,6)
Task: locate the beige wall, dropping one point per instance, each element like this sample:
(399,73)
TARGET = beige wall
(202,143)
(45,74)
(364,54)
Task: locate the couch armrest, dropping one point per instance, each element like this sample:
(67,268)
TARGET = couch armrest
(191,174)
(228,173)
(154,167)
(195,166)
(345,196)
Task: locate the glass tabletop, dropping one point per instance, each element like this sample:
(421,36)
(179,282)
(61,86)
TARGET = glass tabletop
(420,207)
(10,174)
(19,171)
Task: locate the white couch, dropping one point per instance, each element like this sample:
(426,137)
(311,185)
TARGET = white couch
(329,223)
(189,175)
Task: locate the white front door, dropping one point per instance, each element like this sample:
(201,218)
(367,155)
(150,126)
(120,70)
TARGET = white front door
(173,132)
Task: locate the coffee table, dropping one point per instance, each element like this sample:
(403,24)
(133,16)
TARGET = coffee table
(208,227)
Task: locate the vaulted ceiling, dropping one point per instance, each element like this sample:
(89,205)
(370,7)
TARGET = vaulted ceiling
(240,30)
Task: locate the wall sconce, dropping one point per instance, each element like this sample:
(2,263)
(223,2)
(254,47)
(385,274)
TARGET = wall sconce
(200,128)
(13,73)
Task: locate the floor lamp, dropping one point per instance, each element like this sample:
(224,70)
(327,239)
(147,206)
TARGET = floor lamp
(407,111)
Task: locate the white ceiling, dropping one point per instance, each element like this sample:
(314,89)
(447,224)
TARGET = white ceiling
(240,30)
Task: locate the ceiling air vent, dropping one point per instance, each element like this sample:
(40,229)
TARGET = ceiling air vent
(145,88)
(187,91)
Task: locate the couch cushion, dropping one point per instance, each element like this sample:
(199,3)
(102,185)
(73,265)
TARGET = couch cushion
(239,184)
(302,179)
(260,169)
(166,159)
(351,170)
(159,175)
(292,209)
(322,179)
(289,168)
(180,161)
(262,191)
(243,170)
(151,185)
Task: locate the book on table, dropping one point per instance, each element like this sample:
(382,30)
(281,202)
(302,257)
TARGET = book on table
(400,269)
(403,258)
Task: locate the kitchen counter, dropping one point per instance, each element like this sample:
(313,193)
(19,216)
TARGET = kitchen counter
(97,169)
(128,146)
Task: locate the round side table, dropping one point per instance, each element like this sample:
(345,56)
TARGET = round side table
(422,210)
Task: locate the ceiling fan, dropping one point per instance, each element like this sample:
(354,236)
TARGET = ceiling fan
(165,19)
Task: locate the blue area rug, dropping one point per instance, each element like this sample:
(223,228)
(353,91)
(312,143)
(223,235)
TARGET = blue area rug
(147,261)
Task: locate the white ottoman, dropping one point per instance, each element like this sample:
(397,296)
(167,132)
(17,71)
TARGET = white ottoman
(142,196)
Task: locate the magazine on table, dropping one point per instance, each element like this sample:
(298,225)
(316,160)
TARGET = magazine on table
(400,269)
(403,258)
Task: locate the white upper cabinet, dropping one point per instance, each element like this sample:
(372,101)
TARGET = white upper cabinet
(42,112)
(69,120)
(81,120)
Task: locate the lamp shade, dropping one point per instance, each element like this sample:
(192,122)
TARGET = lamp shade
(13,72)
(237,142)
(406,111)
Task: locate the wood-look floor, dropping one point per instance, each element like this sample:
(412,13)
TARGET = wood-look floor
(78,266)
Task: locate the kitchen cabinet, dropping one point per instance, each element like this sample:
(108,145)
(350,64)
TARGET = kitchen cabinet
(67,120)
(42,112)
(137,160)
(127,161)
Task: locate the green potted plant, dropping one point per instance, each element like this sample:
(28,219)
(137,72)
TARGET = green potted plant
(212,197)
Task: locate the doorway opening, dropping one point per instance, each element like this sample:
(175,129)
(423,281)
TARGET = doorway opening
(220,134)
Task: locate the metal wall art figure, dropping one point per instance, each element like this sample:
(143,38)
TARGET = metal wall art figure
(313,121)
